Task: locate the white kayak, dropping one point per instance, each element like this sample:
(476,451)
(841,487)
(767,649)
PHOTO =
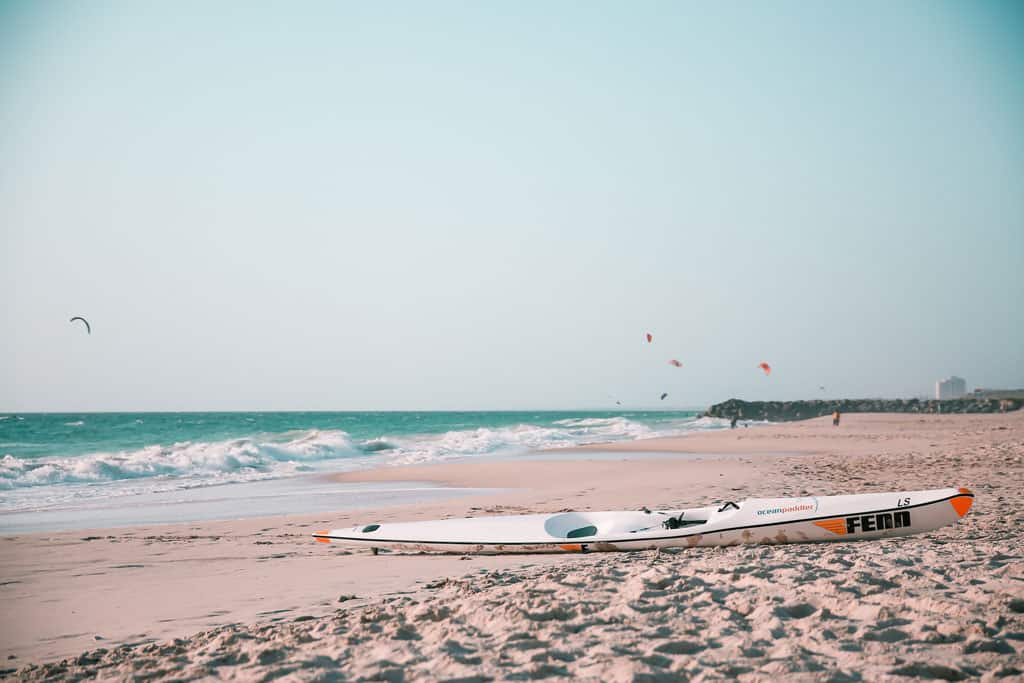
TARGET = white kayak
(755,520)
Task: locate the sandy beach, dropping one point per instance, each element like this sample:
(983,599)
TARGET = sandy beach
(257,598)
(619,342)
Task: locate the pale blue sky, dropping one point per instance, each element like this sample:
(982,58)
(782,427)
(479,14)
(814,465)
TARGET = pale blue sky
(481,205)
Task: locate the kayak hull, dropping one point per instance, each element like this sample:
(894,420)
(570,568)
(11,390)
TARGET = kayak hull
(753,521)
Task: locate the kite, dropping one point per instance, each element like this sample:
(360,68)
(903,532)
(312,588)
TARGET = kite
(650,337)
(764,366)
(663,396)
(88,328)
(675,363)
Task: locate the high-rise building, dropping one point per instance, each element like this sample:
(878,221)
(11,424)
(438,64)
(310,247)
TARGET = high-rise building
(951,387)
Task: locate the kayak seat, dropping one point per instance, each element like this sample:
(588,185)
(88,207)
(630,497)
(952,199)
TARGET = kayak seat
(570,525)
(582,532)
(581,525)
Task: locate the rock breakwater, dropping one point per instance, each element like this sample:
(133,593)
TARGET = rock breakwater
(784,411)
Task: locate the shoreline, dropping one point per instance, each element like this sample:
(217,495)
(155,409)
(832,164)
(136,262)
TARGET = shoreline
(310,493)
(158,582)
(205,468)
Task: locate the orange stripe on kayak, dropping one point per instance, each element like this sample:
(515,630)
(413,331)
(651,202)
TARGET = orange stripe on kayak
(318,534)
(836,526)
(571,547)
(962,503)
(963,490)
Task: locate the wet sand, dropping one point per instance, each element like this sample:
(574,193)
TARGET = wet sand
(257,598)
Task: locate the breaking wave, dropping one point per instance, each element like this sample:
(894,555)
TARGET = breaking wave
(28,481)
(233,460)
(518,438)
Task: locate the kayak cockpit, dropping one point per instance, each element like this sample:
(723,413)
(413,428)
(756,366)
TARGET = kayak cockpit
(571,525)
(581,525)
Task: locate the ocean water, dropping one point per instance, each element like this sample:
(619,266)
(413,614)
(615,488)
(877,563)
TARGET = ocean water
(86,461)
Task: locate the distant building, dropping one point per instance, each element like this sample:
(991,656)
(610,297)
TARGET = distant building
(951,387)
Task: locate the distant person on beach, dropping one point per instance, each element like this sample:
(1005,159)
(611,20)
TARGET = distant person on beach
(835,419)
(732,424)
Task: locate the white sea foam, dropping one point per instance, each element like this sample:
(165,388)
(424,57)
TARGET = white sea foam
(711,423)
(527,437)
(38,482)
(215,462)
(376,445)
(76,423)
(589,421)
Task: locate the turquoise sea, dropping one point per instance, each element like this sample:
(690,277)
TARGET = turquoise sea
(74,462)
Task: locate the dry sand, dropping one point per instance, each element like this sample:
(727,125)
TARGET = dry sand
(257,598)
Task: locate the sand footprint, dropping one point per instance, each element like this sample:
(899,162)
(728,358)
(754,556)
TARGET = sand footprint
(800,610)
